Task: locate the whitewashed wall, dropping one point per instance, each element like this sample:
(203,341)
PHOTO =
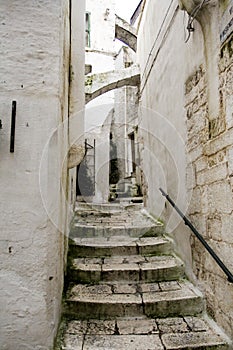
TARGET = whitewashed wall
(34,72)
(164,62)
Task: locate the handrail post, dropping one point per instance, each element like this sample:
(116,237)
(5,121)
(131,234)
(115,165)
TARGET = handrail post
(200,237)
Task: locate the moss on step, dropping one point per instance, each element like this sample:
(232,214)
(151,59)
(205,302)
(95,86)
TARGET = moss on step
(153,232)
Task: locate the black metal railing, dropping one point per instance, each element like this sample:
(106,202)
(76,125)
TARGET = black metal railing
(200,237)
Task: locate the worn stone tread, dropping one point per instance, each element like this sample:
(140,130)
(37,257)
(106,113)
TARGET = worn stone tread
(119,246)
(143,333)
(127,268)
(109,300)
(131,223)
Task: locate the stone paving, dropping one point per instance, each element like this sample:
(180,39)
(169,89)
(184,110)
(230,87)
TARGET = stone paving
(142,333)
(127,289)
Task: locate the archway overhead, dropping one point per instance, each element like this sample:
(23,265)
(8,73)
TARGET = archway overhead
(98,84)
(125,33)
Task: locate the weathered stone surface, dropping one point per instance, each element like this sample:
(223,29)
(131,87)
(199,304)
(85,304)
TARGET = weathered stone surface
(120,246)
(125,33)
(220,197)
(99,302)
(197,340)
(172,325)
(137,326)
(120,272)
(115,310)
(133,259)
(155,245)
(224,140)
(186,301)
(76,155)
(230,160)
(99,327)
(167,286)
(119,288)
(216,173)
(98,84)
(100,247)
(129,342)
(122,268)
(201,164)
(176,333)
(72,342)
(162,268)
(85,273)
(196,324)
(148,287)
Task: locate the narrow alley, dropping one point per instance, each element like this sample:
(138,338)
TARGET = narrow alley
(116,175)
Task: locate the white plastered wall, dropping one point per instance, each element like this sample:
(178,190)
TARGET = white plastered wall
(166,62)
(33,209)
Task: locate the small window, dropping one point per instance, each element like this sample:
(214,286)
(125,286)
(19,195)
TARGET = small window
(88,31)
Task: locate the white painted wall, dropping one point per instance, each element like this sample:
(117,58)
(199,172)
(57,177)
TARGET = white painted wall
(34,72)
(102,24)
(165,62)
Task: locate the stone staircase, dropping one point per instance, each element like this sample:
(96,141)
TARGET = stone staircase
(126,289)
(126,190)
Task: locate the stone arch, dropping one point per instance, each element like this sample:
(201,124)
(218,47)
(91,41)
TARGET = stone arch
(125,33)
(98,84)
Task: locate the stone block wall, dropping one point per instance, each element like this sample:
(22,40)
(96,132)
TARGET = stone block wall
(210,156)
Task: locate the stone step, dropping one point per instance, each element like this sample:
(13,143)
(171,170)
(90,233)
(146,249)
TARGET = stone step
(107,207)
(119,246)
(107,300)
(143,333)
(129,223)
(118,228)
(132,268)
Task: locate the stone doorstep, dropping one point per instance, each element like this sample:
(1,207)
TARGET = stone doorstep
(101,301)
(119,246)
(127,268)
(143,333)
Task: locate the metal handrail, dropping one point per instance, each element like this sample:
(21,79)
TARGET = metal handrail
(200,237)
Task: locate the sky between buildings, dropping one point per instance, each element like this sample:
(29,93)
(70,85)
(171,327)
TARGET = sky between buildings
(126,8)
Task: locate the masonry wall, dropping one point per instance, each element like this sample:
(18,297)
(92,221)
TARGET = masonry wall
(210,145)
(186,126)
(34,72)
